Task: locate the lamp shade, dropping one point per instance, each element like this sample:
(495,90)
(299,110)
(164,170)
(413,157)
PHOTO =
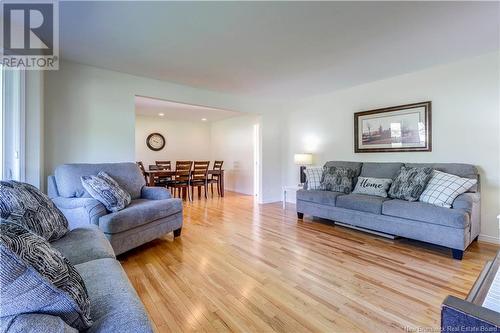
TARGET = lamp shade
(302,159)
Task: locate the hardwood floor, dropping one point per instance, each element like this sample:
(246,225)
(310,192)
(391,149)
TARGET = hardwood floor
(240,266)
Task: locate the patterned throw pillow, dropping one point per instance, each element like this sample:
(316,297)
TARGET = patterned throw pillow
(410,183)
(106,190)
(35,277)
(337,179)
(443,188)
(372,186)
(26,205)
(313,177)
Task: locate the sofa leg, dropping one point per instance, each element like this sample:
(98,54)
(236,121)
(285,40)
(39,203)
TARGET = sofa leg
(457,254)
(300,215)
(177,232)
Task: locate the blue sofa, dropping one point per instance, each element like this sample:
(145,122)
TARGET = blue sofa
(114,304)
(454,227)
(151,214)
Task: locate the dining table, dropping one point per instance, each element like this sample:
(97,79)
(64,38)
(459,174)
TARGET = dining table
(152,174)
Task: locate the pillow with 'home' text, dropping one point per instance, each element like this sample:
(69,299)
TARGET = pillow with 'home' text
(372,186)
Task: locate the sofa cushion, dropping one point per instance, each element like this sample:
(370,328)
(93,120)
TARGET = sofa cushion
(321,197)
(380,170)
(458,169)
(69,185)
(356,166)
(410,183)
(34,323)
(421,211)
(28,206)
(115,304)
(35,277)
(361,202)
(139,212)
(84,244)
(107,191)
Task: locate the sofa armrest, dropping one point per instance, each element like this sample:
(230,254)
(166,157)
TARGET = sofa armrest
(80,211)
(52,187)
(471,203)
(155,193)
(466,201)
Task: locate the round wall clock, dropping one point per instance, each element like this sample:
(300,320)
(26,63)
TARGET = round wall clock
(155,141)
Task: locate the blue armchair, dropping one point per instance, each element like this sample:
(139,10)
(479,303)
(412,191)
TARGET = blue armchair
(151,214)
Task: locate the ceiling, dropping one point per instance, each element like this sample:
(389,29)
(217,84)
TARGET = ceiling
(152,107)
(275,49)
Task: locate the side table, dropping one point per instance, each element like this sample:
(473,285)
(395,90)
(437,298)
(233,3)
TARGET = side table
(293,188)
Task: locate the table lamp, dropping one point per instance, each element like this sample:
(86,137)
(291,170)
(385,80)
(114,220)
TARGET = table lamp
(302,160)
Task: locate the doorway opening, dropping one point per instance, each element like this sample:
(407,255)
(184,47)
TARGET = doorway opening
(186,132)
(256,158)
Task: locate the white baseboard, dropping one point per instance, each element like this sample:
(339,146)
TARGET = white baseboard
(489,239)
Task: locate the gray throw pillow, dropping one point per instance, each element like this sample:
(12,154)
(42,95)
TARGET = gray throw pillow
(337,179)
(372,186)
(36,278)
(410,183)
(28,206)
(106,190)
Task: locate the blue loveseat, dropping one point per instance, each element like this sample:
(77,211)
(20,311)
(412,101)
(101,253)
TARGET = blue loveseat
(114,304)
(151,214)
(454,227)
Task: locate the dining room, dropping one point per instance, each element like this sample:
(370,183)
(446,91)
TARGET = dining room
(197,152)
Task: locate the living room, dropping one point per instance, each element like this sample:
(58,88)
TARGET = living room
(304,103)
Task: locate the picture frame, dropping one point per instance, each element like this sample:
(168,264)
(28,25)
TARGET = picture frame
(402,128)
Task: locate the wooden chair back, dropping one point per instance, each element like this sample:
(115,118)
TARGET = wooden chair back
(183,170)
(218,165)
(164,165)
(141,167)
(200,170)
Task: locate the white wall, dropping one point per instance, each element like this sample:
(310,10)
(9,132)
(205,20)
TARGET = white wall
(232,140)
(184,140)
(90,117)
(465,123)
(34,150)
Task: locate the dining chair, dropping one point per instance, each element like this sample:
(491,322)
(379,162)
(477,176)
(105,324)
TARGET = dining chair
(180,181)
(199,177)
(143,170)
(215,179)
(164,165)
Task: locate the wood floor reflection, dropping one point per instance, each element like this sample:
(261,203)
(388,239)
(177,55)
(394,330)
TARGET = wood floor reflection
(240,266)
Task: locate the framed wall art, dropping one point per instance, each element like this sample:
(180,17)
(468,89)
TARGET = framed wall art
(402,128)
